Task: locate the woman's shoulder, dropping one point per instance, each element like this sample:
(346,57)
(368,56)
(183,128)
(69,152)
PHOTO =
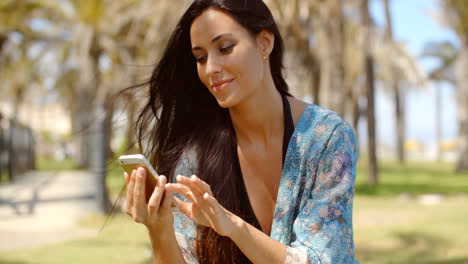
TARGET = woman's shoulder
(313,116)
(297,109)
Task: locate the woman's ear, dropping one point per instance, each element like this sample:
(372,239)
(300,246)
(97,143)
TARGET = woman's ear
(265,42)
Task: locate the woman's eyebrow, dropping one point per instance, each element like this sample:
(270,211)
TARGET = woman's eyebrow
(220,36)
(214,39)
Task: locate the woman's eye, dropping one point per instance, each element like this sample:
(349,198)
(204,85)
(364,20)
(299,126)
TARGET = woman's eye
(227,49)
(200,59)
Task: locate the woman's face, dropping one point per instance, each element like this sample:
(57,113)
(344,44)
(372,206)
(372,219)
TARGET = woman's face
(229,61)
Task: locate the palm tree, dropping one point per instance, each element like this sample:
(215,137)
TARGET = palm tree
(300,33)
(19,72)
(369,70)
(446,53)
(457,15)
(16,17)
(332,24)
(126,33)
(399,114)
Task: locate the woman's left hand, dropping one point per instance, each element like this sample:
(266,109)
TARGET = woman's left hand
(204,209)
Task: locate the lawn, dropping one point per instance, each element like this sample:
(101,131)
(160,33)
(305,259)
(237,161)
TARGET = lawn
(120,242)
(115,180)
(414,178)
(45,163)
(386,230)
(401,230)
(388,227)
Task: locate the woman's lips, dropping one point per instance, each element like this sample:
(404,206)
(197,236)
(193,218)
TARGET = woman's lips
(220,85)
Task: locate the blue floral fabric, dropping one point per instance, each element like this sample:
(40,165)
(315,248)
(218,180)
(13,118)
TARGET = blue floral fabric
(313,214)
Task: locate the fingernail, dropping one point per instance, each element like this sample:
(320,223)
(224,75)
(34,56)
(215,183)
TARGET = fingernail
(162,179)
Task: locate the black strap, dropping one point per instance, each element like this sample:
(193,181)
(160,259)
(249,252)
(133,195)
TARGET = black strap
(248,214)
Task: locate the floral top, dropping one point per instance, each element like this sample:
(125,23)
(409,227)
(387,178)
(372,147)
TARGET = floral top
(313,214)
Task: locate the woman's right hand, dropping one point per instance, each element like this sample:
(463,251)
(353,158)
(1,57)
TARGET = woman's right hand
(154,214)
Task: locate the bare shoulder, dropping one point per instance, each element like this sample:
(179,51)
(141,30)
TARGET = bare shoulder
(297,108)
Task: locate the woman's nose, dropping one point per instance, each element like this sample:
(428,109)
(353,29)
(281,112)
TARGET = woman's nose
(213,65)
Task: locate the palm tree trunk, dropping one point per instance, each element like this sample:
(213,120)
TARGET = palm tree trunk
(338,54)
(399,113)
(356,113)
(3,40)
(369,70)
(84,124)
(109,108)
(438,121)
(309,59)
(400,120)
(131,110)
(332,72)
(11,146)
(316,85)
(3,147)
(462,107)
(100,155)
(89,84)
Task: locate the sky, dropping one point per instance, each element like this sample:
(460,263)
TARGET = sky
(414,24)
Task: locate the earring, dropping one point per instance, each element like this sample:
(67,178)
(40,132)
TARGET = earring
(264,57)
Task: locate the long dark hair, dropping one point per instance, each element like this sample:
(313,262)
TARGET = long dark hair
(181,114)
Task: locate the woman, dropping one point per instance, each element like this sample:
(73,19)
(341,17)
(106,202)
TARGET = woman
(257,176)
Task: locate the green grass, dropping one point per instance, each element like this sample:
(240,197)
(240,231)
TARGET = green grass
(114,179)
(120,242)
(392,230)
(3,177)
(388,228)
(414,178)
(46,163)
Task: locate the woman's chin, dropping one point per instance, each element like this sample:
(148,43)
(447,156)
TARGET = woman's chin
(226,102)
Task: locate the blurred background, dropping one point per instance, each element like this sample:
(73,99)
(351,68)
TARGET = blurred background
(396,70)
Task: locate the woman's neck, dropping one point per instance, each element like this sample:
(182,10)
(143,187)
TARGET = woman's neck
(260,116)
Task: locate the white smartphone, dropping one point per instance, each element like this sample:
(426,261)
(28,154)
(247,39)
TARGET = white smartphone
(131,162)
